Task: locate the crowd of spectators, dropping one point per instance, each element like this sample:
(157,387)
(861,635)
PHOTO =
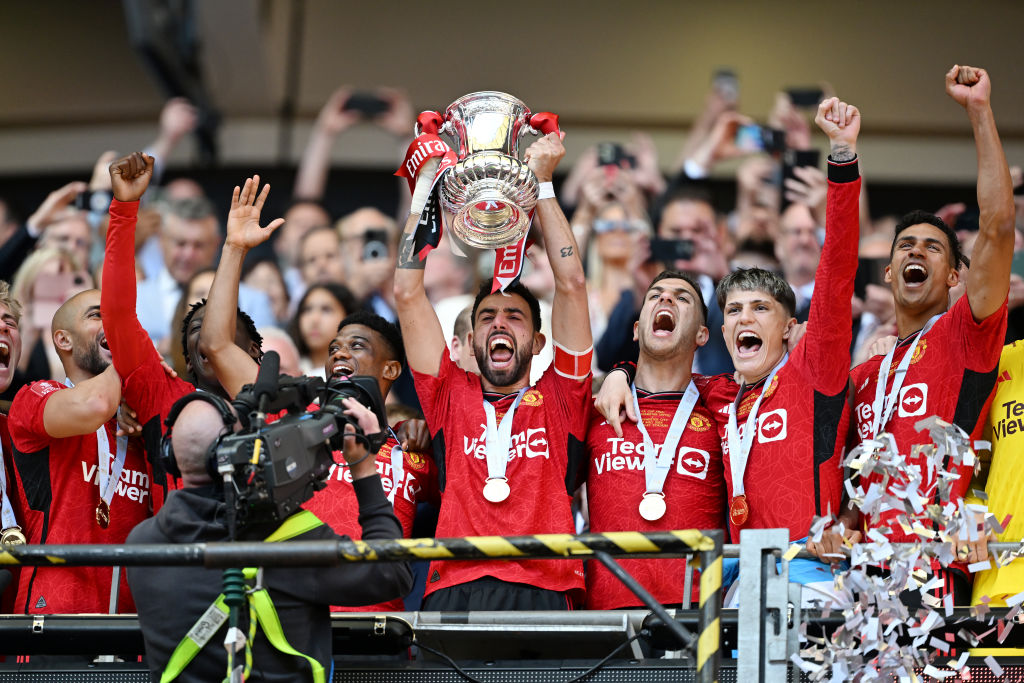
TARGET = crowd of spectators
(628,220)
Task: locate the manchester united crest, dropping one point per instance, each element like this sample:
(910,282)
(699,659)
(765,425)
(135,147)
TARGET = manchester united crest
(415,460)
(919,351)
(699,423)
(533,398)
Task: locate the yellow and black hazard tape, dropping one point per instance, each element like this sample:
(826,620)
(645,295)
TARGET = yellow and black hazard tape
(709,641)
(328,553)
(537,546)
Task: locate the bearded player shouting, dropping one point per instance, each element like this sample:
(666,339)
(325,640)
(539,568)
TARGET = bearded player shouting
(505,450)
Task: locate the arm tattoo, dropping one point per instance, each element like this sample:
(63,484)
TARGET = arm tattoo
(566,252)
(841,152)
(407,257)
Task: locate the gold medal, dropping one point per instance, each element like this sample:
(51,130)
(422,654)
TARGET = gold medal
(739,510)
(103,514)
(13,536)
(496,489)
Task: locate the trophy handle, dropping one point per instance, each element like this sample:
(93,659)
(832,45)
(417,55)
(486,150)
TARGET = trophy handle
(429,122)
(542,123)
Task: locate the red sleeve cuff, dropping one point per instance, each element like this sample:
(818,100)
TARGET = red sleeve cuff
(124,209)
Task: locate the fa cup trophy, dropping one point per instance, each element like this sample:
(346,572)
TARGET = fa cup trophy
(489,191)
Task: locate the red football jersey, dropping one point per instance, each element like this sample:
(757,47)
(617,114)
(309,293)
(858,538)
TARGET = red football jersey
(694,493)
(546,449)
(58,489)
(794,469)
(338,507)
(952,374)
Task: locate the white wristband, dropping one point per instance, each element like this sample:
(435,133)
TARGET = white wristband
(694,170)
(545,191)
(424,181)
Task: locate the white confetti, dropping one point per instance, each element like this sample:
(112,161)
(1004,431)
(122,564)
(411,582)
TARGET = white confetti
(993,665)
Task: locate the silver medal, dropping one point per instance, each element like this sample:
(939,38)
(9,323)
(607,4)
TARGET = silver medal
(496,489)
(652,506)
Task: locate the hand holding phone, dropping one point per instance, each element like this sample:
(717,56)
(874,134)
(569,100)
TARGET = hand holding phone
(366,104)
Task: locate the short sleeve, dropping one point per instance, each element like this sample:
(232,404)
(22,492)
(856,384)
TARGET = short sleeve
(28,433)
(435,393)
(981,340)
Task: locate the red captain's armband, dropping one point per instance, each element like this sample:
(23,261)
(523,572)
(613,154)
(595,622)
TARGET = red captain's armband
(573,364)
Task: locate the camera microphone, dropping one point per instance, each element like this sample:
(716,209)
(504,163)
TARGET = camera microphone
(265,387)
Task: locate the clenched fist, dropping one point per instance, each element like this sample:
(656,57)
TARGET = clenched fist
(543,156)
(130,176)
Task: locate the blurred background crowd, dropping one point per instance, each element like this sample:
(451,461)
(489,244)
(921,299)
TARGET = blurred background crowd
(688,136)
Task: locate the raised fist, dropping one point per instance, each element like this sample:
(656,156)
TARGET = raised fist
(130,176)
(543,156)
(968,85)
(840,122)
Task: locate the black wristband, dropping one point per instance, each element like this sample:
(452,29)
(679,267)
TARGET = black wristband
(843,171)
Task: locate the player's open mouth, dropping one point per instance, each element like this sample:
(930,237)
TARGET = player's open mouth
(664,323)
(342,370)
(501,350)
(5,355)
(914,274)
(103,343)
(747,344)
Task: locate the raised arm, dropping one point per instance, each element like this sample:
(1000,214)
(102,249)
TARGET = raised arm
(570,319)
(989,278)
(232,364)
(421,330)
(311,179)
(828,338)
(129,344)
(83,408)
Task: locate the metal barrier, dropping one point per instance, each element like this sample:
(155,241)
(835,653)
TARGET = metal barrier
(769,614)
(707,546)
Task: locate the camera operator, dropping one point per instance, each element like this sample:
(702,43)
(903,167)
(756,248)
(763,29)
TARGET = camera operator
(364,344)
(300,596)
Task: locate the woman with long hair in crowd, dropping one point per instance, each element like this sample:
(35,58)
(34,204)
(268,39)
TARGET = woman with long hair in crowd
(315,324)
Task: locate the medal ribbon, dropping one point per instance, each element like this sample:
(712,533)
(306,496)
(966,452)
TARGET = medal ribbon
(397,467)
(7,518)
(108,476)
(499,438)
(883,404)
(739,450)
(657,463)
